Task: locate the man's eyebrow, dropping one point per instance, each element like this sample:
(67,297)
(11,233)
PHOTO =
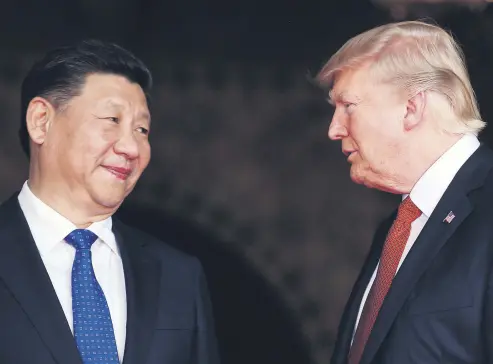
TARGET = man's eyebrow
(333,98)
(145,115)
(116,105)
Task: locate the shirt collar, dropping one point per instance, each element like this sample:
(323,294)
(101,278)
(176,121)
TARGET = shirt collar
(430,188)
(49,228)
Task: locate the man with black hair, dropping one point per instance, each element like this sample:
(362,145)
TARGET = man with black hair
(76,285)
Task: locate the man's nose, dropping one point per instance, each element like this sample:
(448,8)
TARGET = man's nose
(337,129)
(127,145)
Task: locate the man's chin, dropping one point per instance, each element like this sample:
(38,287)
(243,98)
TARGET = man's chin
(374,183)
(360,179)
(357,180)
(111,198)
(356,175)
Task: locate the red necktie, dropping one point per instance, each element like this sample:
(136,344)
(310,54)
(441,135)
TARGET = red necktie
(389,261)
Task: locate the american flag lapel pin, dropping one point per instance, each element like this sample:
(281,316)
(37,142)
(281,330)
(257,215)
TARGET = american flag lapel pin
(448,219)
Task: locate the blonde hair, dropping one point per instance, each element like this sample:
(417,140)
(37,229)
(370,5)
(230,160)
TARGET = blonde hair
(417,57)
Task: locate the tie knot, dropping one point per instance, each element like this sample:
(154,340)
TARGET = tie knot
(81,239)
(408,211)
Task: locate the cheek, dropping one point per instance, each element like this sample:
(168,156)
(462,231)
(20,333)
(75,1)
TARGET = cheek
(360,133)
(93,151)
(107,133)
(144,153)
(369,134)
(98,147)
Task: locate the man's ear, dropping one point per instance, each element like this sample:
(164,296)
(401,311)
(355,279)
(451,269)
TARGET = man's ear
(39,117)
(415,110)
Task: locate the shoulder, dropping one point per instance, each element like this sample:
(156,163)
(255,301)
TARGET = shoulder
(10,203)
(10,211)
(157,248)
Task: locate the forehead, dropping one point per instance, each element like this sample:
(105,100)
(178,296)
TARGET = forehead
(112,91)
(350,83)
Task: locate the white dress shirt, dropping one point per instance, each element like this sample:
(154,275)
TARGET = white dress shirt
(428,191)
(49,229)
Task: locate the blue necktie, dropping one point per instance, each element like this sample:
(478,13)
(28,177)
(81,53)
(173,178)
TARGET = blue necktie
(93,329)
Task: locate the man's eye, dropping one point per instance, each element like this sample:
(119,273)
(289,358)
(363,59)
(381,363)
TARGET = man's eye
(143,130)
(114,119)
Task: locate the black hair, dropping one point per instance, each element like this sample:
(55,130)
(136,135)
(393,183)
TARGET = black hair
(61,74)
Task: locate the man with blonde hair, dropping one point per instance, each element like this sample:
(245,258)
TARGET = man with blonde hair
(407,118)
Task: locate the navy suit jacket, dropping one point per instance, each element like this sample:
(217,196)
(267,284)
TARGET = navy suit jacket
(169,317)
(439,308)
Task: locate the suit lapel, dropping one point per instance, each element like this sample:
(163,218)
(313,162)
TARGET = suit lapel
(23,271)
(142,272)
(351,311)
(431,239)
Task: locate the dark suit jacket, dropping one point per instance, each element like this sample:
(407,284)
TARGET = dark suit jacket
(169,319)
(439,308)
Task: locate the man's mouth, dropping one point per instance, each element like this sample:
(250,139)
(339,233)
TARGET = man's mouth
(119,172)
(349,153)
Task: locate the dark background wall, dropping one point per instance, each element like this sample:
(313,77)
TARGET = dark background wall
(242,175)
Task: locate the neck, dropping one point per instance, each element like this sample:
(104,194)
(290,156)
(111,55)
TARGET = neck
(421,158)
(55,196)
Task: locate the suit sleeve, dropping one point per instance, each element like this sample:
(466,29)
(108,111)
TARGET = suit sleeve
(205,348)
(487,326)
